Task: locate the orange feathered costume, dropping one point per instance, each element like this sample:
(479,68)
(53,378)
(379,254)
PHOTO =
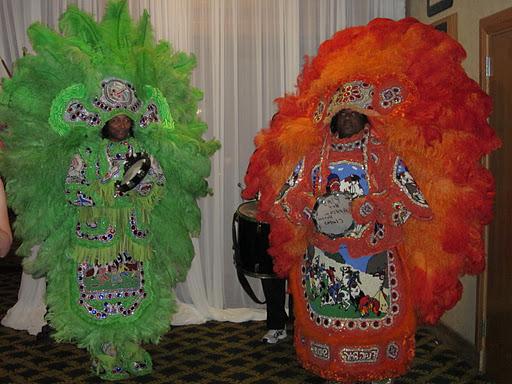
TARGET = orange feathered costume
(439,128)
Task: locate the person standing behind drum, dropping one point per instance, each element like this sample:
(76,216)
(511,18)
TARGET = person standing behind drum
(250,244)
(274,291)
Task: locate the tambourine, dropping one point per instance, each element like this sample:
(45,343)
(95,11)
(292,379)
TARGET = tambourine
(332,215)
(135,169)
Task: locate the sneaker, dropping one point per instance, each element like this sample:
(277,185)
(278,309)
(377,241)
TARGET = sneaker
(274,335)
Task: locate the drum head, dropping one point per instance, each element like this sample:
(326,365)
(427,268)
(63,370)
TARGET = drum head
(332,215)
(249,210)
(135,169)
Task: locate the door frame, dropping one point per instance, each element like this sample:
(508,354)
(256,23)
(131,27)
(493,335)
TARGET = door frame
(489,26)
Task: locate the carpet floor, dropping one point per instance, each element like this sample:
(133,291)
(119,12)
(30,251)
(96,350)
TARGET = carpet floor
(215,352)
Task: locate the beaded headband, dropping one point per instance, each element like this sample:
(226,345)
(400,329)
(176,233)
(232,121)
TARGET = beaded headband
(117,97)
(358,95)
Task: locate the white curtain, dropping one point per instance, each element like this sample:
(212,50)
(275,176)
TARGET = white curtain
(249,52)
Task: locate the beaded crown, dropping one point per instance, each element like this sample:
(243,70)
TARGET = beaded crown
(73,108)
(360,96)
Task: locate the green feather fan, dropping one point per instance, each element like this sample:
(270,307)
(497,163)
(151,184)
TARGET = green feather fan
(111,256)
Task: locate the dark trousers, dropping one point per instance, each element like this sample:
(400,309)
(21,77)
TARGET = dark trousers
(274,291)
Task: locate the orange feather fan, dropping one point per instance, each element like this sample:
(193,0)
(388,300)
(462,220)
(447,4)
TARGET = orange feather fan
(440,131)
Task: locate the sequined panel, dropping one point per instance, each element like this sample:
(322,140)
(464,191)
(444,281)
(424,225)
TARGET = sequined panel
(390,97)
(348,178)
(150,116)
(136,232)
(317,116)
(359,355)
(393,351)
(77,172)
(345,293)
(113,289)
(407,184)
(320,351)
(379,231)
(292,180)
(106,237)
(400,214)
(81,199)
(76,112)
(154,176)
(116,161)
(357,94)
(346,147)
(345,177)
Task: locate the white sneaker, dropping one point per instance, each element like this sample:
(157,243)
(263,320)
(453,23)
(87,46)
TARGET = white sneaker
(274,335)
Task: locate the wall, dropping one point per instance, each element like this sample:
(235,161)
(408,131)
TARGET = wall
(462,318)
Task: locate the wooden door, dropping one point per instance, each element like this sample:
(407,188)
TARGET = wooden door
(498,81)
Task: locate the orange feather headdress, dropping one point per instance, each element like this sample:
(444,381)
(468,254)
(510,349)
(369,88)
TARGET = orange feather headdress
(440,129)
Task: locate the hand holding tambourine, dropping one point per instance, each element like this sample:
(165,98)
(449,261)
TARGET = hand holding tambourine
(136,168)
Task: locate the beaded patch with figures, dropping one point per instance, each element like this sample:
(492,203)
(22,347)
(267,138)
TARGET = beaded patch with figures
(351,294)
(112,289)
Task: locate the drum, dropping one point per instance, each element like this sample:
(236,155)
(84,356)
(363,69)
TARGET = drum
(250,243)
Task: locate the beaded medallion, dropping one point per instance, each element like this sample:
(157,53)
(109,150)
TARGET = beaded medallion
(115,94)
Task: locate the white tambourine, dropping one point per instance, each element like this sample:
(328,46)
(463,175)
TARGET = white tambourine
(332,215)
(135,169)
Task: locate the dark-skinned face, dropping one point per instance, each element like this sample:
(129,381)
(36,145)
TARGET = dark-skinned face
(347,122)
(118,128)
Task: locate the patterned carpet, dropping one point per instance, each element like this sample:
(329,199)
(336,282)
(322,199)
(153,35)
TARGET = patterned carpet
(209,353)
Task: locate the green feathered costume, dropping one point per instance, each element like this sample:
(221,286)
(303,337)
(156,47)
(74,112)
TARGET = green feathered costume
(111,254)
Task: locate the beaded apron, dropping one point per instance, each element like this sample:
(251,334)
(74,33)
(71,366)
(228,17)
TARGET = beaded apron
(358,296)
(113,289)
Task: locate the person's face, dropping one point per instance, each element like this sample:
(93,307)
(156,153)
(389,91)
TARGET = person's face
(347,123)
(119,127)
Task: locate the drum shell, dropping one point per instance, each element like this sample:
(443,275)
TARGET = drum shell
(253,243)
